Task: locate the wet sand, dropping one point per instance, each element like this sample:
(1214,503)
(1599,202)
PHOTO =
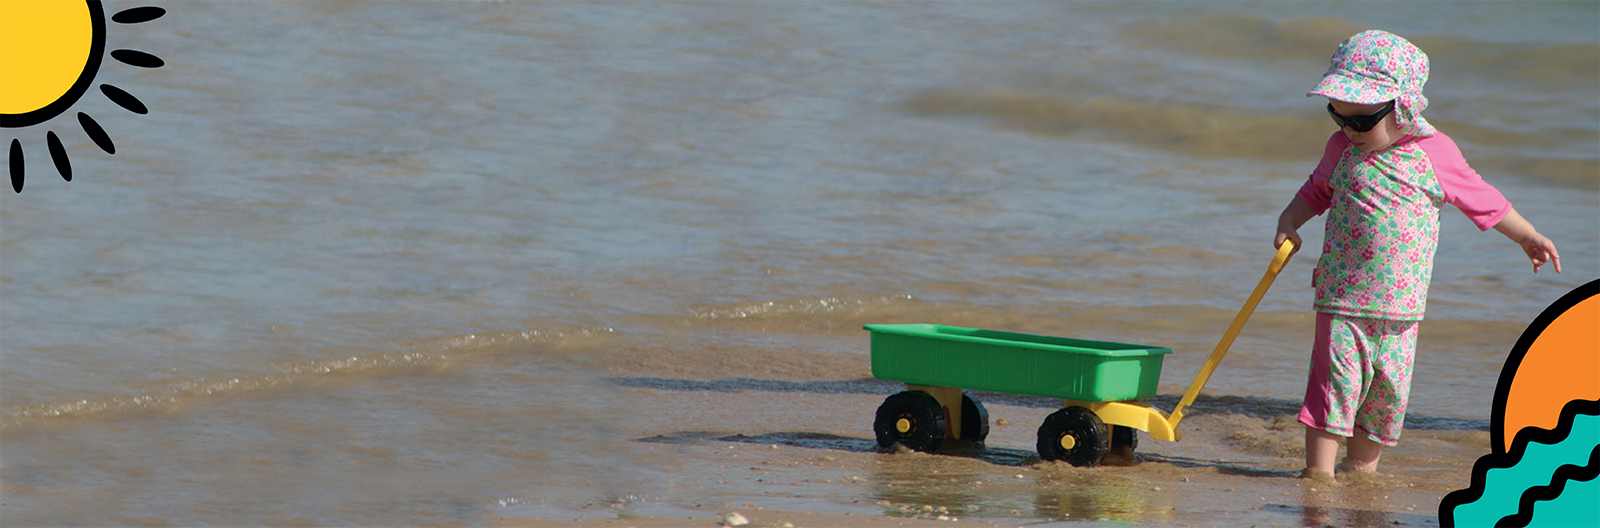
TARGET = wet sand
(760,518)
(756,517)
(784,438)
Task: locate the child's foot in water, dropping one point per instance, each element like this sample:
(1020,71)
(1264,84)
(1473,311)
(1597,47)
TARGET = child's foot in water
(1316,475)
(1348,467)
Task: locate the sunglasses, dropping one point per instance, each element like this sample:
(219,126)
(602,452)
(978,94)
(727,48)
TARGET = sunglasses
(1361,123)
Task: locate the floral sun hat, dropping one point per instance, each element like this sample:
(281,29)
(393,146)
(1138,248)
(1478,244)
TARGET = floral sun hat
(1376,67)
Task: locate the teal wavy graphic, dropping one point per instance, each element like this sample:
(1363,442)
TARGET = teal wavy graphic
(1547,478)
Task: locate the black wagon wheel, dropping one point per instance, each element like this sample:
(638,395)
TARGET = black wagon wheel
(913,419)
(974,419)
(1073,434)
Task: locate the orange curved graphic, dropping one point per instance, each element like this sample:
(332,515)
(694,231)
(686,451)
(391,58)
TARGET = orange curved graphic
(1562,365)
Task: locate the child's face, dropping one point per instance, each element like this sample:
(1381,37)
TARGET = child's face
(1380,137)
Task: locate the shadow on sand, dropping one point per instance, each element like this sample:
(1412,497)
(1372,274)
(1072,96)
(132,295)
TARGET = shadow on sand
(1252,406)
(976,450)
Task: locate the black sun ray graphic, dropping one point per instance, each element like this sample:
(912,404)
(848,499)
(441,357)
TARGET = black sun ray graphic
(50,52)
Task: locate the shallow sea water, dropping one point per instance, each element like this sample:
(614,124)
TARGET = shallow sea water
(484,263)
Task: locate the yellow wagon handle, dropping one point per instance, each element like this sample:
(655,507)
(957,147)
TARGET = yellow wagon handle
(1233,331)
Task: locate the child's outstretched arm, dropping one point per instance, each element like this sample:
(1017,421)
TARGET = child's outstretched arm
(1539,249)
(1295,215)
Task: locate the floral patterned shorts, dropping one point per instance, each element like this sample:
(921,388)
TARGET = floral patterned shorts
(1360,376)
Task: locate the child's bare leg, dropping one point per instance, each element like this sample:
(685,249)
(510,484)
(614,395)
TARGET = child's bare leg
(1362,454)
(1322,448)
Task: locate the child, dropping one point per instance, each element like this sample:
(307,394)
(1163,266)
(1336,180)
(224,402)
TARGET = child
(1383,178)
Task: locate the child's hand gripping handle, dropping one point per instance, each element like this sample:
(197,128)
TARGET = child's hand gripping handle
(1233,331)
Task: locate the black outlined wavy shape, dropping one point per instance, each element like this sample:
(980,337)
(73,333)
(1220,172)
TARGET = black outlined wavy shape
(1563,474)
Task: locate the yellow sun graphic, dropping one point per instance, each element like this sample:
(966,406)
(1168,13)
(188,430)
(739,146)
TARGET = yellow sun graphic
(50,51)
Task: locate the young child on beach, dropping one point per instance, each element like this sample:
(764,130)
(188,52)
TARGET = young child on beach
(1383,179)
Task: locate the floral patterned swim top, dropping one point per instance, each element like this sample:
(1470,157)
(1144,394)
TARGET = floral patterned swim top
(1383,221)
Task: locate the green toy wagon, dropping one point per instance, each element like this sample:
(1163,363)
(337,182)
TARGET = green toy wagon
(1099,383)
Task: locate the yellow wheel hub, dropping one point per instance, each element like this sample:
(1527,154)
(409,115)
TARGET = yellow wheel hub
(903,425)
(1068,442)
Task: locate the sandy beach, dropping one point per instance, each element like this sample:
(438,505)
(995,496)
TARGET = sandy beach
(756,517)
(777,438)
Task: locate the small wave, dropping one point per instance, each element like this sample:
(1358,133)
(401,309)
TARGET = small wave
(1551,63)
(1202,133)
(1248,37)
(1571,173)
(836,306)
(1560,65)
(830,315)
(167,397)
